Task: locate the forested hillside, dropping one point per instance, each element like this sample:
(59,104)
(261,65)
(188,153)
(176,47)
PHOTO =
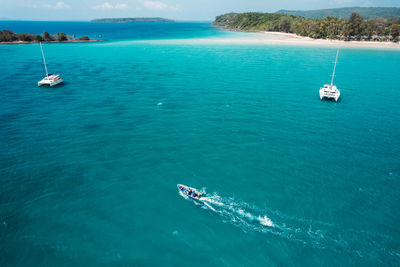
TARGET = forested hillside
(345,12)
(354,28)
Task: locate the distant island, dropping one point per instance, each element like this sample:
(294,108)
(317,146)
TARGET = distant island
(345,12)
(356,28)
(130,20)
(9,37)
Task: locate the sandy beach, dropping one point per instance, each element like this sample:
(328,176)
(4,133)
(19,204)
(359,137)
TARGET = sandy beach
(290,38)
(278,38)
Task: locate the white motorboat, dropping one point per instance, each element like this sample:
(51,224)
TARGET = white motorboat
(330,91)
(49,79)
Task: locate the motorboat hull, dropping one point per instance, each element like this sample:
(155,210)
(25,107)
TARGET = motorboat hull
(189,191)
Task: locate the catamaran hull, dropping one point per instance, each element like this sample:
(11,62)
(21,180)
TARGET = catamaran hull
(327,98)
(50,83)
(336,97)
(327,93)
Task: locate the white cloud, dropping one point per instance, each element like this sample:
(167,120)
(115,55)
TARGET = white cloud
(368,3)
(61,5)
(121,6)
(341,2)
(156,5)
(58,5)
(107,5)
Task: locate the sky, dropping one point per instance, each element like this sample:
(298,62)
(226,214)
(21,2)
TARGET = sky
(186,10)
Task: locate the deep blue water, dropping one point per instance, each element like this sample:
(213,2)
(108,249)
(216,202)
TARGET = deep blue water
(117,31)
(89,169)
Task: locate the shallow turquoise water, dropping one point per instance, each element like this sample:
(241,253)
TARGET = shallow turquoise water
(89,169)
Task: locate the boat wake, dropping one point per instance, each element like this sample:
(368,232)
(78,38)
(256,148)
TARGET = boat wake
(234,211)
(312,233)
(238,213)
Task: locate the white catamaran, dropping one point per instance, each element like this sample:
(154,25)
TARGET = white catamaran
(49,79)
(330,91)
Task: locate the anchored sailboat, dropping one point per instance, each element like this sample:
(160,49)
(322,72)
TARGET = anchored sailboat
(330,91)
(49,79)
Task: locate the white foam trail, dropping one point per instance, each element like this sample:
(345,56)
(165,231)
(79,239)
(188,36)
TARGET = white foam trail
(183,195)
(208,205)
(213,201)
(313,233)
(237,212)
(265,221)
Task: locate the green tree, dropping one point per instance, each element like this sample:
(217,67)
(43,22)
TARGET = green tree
(7,36)
(284,25)
(369,28)
(61,36)
(85,38)
(47,37)
(39,38)
(354,26)
(26,37)
(395,31)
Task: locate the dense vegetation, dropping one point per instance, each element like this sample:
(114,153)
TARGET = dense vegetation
(9,36)
(130,20)
(345,12)
(355,28)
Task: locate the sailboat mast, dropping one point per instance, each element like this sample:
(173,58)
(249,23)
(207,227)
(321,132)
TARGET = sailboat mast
(44,60)
(334,68)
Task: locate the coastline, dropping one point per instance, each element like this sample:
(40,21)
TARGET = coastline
(271,38)
(51,42)
(267,37)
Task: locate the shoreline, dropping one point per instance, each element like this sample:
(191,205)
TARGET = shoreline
(51,42)
(270,38)
(267,38)
(294,39)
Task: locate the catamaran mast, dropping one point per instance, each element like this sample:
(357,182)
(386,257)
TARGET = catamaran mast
(44,60)
(334,68)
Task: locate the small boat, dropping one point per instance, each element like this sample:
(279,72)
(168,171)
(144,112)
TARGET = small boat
(330,91)
(49,79)
(189,191)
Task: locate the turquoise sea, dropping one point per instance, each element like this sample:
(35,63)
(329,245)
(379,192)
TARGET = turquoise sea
(88,169)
